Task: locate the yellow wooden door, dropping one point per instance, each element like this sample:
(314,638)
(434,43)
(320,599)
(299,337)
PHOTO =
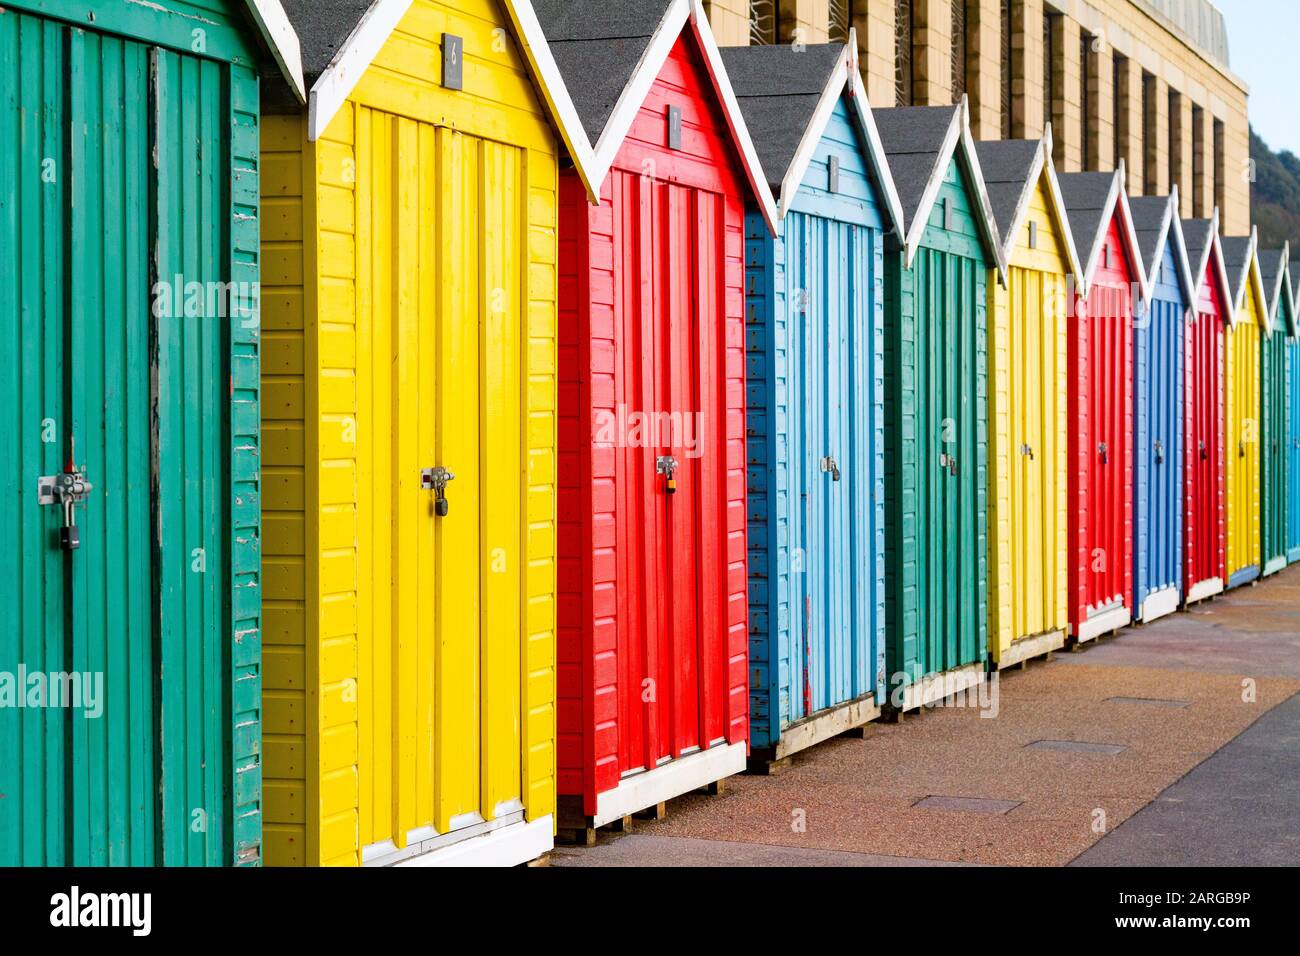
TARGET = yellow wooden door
(1243,447)
(1035,370)
(439,231)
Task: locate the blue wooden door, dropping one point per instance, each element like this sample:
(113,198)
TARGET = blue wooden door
(1158,440)
(833,433)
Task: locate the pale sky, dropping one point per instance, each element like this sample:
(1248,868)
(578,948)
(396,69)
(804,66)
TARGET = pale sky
(1262,38)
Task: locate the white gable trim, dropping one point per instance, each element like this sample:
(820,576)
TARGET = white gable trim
(537,51)
(1213,257)
(679,14)
(637,89)
(1171,230)
(845,80)
(916,228)
(731,110)
(354,57)
(957,143)
(875,148)
(1129,232)
(282,39)
(1043,166)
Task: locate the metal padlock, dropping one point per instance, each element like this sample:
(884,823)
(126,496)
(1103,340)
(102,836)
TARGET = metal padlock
(1160,452)
(666,465)
(1104,451)
(435,480)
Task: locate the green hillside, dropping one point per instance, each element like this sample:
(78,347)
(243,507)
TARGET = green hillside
(1275,194)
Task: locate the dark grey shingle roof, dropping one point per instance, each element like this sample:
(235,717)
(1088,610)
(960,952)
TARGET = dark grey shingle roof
(1084,196)
(913,137)
(323,26)
(1148,216)
(1198,234)
(597,45)
(1270,270)
(1236,259)
(1006,165)
(778,88)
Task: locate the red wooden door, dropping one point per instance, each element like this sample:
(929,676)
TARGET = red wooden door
(1204,410)
(671,642)
(1109,517)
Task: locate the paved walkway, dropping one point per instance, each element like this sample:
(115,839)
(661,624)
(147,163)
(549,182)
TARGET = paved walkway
(1173,743)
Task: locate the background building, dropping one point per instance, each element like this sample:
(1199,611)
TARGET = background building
(1146,81)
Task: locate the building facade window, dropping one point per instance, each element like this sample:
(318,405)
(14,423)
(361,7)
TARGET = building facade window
(1007,51)
(1198,163)
(1049,63)
(1147,139)
(1087,67)
(959,47)
(1119,123)
(904,83)
(764,22)
(841,19)
(1220,167)
(1175,141)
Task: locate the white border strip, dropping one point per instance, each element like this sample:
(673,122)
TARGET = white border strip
(736,121)
(637,89)
(509,846)
(532,40)
(670,779)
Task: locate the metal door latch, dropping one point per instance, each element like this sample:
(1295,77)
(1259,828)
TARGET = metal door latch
(948,463)
(1103,450)
(666,465)
(1027,449)
(435,480)
(1160,452)
(830,465)
(1200,446)
(66,489)
(1241,449)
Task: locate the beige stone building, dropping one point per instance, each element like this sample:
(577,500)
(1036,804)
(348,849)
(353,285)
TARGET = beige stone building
(1146,81)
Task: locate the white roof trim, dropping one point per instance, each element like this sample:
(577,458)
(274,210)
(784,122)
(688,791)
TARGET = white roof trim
(875,148)
(1171,227)
(731,109)
(1044,166)
(1214,251)
(1116,205)
(1237,284)
(958,135)
(537,51)
(1274,298)
(354,57)
(1129,232)
(846,83)
(637,89)
(1253,277)
(678,15)
(282,39)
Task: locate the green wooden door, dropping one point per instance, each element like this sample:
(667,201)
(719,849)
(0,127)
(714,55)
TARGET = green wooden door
(1273,451)
(949,460)
(115,199)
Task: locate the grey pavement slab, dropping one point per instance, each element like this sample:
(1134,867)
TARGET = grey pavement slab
(635,849)
(1239,807)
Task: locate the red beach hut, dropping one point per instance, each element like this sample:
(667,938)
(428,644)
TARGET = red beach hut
(652,645)
(1100,389)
